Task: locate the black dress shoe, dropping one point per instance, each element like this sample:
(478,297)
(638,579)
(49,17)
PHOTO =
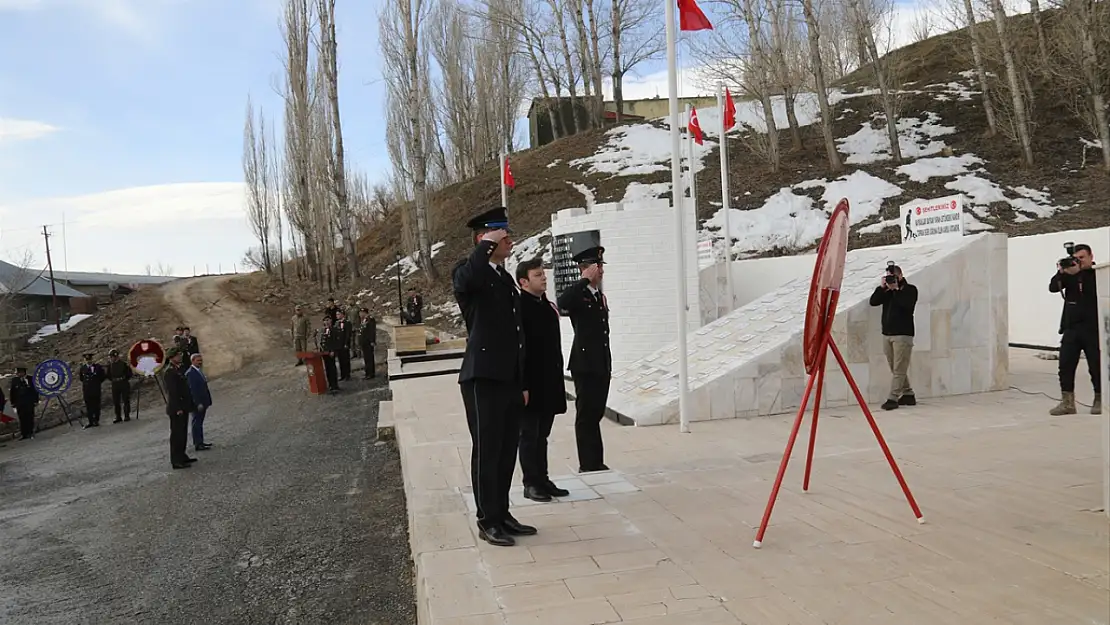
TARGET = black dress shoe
(117,420)
(890,404)
(535,493)
(203,447)
(907,400)
(600,467)
(127,418)
(496,536)
(516,528)
(555,491)
(190,460)
(181,466)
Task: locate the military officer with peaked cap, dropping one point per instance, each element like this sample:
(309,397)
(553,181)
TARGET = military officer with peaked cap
(492,375)
(591,361)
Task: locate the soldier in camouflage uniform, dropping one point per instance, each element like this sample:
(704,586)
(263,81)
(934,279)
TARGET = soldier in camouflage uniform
(301,327)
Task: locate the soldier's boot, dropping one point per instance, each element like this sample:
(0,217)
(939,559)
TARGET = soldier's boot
(1066,406)
(1096,406)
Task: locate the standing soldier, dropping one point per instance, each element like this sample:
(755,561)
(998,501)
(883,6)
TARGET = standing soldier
(415,306)
(190,344)
(301,327)
(92,377)
(543,379)
(591,362)
(492,375)
(179,403)
(119,374)
(24,398)
(343,354)
(367,341)
(329,345)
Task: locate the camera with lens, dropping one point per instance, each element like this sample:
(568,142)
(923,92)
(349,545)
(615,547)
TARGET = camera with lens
(1069,260)
(891,273)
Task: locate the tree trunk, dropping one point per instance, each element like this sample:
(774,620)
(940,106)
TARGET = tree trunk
(419,155)
(789,99)
(1042,41)
(590,109)
(1093,76)
(595,64)
(814,35)
(572,88)
(863,23)
(980,67)
(759,60)
(618,73)
(1020,119)
(782,72)
(339,173)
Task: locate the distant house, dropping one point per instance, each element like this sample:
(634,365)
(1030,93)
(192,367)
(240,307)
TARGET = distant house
(540,131)
(27,302)
(106,286)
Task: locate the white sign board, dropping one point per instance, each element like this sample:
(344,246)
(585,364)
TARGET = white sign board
(929,220)
(705,254)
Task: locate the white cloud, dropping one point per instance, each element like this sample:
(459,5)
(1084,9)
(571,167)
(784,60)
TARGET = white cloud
(22,129)
(184,225)
(132,16)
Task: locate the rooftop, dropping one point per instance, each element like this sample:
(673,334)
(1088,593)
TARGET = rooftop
(32,282)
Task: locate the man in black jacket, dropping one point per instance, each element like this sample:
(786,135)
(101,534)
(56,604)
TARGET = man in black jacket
(92,377)
(24,398)
(179,403)
(898,299)
(591,361)
(367,341)
(331,341)
(119,375)
(1078,326)
(544,389)
(343,353)
(492,375)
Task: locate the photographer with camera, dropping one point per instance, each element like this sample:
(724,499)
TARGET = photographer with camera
(898,299)
(1075,282)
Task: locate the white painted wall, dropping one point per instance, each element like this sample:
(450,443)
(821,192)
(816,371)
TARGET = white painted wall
(1103,280)
(640,274)
(1034,312)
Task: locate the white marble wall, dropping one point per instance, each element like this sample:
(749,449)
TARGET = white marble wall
(640,274)
(1102,274)
(750,363)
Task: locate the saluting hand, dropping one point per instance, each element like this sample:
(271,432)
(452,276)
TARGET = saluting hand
(591,273)
(495,235)
(526,398)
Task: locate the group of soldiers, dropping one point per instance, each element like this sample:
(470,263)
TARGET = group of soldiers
(512,379)
(337,340)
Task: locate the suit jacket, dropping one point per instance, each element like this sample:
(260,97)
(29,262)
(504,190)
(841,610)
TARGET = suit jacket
(178,398)
(192,345)
(331,340)
(589,314)
(490,304)
(343,329)
(91,376)
(543,358)
(368,332)
(198,387)
(22,393)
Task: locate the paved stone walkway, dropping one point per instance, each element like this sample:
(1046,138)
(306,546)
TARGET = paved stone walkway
(1011,496)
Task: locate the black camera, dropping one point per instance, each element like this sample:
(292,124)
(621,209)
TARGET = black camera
(891,273)
(1069,260)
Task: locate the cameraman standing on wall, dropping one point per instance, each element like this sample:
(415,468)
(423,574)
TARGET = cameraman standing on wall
(898,299)
(1075,281)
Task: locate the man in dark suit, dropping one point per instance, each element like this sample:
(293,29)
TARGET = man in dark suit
(92,377)
(198,390)
(343,353)
(591,362)
(543,379)
(367,341)
(179,403)
(492,375)
(24,398)
(414,305)
(189,343)
(330,344)
(331,309)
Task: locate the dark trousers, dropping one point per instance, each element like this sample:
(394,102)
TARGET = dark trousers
(535,427)
(197,419)
(121,399)
(368,359)
(344,357)
(179,437)
(1072,343)
(330,373)
(92,404)
(493,416)
(591,392)
(26,416)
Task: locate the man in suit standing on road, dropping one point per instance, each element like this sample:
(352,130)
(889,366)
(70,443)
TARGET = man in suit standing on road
(492,374)
(92,377)
(24,398)
(179,403)
(543,379)
(343,354)
(367,341)
(330,344)
(198,390)
(591,362)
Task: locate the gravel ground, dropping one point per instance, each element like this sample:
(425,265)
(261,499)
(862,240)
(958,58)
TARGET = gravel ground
(295,516)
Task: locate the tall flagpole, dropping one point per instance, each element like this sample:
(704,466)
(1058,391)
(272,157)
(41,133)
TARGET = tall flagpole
(676,199)
(504,189)
(730,296)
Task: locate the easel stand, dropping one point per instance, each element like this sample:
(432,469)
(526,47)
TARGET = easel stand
(818,377)
(63,404)
(139,393)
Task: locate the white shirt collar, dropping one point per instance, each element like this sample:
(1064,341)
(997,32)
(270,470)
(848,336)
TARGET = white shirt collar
(593,291)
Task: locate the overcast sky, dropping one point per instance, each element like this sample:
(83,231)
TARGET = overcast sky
(123,120)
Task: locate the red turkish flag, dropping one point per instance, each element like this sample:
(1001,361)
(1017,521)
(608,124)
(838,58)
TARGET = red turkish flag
(508,175)
(694,127)
(730,111)
(690,16)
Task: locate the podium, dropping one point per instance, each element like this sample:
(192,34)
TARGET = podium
(314,365)
(409,340)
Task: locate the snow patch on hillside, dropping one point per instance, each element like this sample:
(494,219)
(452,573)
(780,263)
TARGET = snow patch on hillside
(923,169)
(51,329)
(917,137)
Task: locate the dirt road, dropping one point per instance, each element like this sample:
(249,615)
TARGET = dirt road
(229,334)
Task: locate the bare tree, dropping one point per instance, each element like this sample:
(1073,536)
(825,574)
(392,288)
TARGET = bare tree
(255,173)
(1020,119)
(636,37)
(1078,69)
(980,66)
(298,93)
(1042,40)
(864,25)
(817,66)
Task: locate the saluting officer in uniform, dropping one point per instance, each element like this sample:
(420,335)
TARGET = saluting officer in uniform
(331,342)
(492,374)
(92,377)
(591,362)
(343,355)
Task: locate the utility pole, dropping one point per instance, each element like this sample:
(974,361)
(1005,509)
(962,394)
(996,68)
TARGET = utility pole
(53,289)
